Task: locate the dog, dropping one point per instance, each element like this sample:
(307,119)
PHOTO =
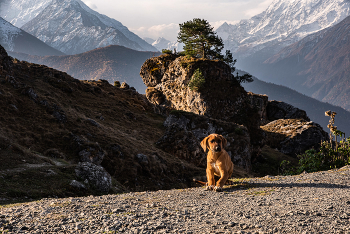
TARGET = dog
(218,162)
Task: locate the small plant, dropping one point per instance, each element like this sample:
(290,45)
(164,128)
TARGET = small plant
(329,155)
(117,84)
(167,51)
(197,81)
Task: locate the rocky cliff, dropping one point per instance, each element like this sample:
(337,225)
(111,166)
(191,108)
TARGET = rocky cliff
(221,97)
(219,105)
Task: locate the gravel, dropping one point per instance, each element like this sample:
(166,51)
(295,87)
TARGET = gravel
(307,203)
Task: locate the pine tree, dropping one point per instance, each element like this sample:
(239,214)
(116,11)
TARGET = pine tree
(202,42)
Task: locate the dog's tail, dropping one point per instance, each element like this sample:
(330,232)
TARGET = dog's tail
(200,182)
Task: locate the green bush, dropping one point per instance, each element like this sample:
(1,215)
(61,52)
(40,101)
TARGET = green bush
(166,51)
(330,155)
(197,81)
(117,84)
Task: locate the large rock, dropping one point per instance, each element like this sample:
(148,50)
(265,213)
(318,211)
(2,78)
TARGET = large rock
(97,177)
(185,131)
(221,97)
(281,110)
(294,136)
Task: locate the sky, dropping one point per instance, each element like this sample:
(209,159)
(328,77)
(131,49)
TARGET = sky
(161,18)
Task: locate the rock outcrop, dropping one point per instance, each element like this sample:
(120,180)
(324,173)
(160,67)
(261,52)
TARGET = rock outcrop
(281,110)
(185,131)
(220,98)
(219,104)
(294,136)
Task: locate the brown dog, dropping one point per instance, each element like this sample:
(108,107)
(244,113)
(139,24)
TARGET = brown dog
(218,161)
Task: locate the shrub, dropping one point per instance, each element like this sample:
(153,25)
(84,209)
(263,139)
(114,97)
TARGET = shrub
(197,81)
(329,156)
(166,51)
(117,84)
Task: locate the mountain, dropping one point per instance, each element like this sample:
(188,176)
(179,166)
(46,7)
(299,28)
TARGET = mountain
(315,109)
(318,65)
(17,40)
(70,26)
(283,23)
(149,40)
(162,43)
(109,63)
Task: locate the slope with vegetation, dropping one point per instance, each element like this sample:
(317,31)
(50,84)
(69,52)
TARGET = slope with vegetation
(110,63)
(51,123)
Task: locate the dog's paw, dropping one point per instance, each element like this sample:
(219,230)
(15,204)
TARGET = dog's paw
(209,187)
(217,189)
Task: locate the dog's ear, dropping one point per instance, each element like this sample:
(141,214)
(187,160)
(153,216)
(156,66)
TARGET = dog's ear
(204,143)
(224,141)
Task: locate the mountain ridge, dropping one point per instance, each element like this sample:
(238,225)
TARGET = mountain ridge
(317,66)
(72,27)
(110,63)
(16,40)
(281,24)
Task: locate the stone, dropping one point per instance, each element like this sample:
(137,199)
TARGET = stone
(294,136)
(97,176)
(77,184)
(281,110)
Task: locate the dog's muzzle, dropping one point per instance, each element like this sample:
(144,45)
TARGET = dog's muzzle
(217,149)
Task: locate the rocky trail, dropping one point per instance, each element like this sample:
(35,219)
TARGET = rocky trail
(306,203)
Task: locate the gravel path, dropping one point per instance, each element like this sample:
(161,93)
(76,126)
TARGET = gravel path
(307,203)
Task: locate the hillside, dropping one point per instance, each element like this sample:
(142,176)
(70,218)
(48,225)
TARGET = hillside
(318,65)
(314,108)
(53,126)
(17,40)
(110,63)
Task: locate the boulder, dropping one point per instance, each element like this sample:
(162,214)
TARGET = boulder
(97,177)
(185,131)
(281,110)
(294,136)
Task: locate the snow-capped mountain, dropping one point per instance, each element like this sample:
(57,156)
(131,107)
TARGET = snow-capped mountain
(317,65)
(162,43)
(281,24)
(19,12)
(17,40)
(70,26)
(8,33)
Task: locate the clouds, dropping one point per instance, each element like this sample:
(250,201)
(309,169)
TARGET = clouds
(168,31)
(258,9)
(161,18)
(91,5)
